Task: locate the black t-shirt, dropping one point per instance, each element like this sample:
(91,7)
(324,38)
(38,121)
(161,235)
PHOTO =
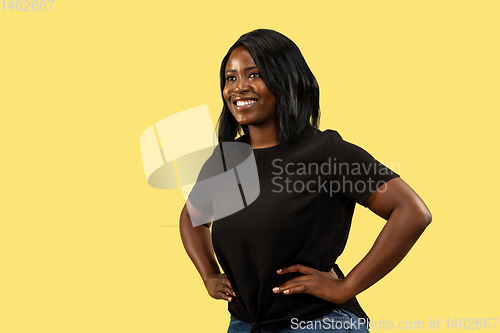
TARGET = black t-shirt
(302,215)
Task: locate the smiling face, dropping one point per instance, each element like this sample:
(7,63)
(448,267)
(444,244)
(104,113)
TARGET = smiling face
(246,94)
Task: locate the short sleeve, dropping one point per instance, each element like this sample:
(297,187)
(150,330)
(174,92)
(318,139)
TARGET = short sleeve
(200,195)
(355,173)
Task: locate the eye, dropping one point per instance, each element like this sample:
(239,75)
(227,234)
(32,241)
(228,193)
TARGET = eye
(254,74)
(230,78)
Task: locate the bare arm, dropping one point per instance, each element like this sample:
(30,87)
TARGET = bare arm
(407,217)
(198,245)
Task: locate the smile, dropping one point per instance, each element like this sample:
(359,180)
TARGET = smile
(246,102)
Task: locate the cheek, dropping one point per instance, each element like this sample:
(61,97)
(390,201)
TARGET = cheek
(269,96)
(272,100)
(226,95)
(275,100)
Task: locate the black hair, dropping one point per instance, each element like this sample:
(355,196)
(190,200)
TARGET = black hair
(285,72)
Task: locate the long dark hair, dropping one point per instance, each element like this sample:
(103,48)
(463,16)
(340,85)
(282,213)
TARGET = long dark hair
(285,72)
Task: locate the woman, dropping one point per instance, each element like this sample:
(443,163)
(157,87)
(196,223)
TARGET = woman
(279,252)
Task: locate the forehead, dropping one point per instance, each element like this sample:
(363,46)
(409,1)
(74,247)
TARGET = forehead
(240,57)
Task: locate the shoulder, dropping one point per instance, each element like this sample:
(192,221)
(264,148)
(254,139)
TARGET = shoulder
(333,144)
(328,134)
(207,162)
(315,140)
(332,137)
(326,137)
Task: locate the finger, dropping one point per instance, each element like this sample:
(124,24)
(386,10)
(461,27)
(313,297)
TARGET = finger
(224,296)
(228,290)
(227,283)
(304,280)
(296,268)
(295,290)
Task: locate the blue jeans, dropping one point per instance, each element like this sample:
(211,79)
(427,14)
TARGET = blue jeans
(338,321)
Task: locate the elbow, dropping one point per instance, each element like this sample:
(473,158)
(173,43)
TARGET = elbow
(422,217)
(426,217)
(417,216)
(420,214)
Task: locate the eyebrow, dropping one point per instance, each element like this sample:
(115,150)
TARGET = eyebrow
(246,69)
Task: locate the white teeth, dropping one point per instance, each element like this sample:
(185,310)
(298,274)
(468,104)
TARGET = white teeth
(246,102)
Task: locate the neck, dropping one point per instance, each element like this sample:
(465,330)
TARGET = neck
(263,137)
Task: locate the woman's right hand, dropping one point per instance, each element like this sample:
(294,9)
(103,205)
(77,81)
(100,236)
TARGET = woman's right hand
(218,287)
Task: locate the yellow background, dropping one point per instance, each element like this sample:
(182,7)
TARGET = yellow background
(88,246)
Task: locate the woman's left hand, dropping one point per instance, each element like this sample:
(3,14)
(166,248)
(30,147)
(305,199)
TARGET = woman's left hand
(325,285)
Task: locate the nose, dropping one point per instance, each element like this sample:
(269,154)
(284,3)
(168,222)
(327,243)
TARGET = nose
(241,86)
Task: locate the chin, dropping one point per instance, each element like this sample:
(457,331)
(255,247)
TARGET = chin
(243,121)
